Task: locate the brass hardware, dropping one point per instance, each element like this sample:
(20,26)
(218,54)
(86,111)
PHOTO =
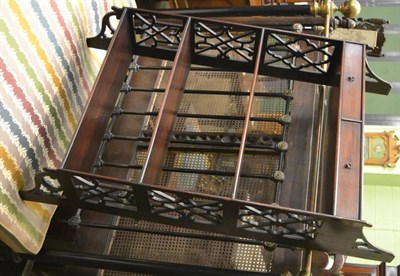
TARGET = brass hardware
(318,29)
(282,145)
(286,119)
(306,271)
(288,93)
(270,246)
(348,165)
(350,8)
(368,37)
(297,27)
(279,175)
(323,8)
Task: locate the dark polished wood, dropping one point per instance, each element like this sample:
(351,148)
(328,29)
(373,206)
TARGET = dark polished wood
(81,155)
(370,270)
(100,105)
(123,151)
(299,158)
(167,115)
(340,177)
(349,158)
(258,49)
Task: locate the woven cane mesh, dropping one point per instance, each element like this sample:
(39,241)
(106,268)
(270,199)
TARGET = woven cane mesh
(184,250)
(193,170)
(199,182)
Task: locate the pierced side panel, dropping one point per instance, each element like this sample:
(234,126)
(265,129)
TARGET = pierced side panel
(233,46)
(284,226)
(225,42)
(155,35)
(310,53)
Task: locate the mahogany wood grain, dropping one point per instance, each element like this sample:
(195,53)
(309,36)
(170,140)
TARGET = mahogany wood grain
(85,144)
(119,151)
(248,115)
(327,173)
(342,187)
(348,167)
(352,83)
(370,270)
(89,135)
(349,172)
(299,157)
(158,146)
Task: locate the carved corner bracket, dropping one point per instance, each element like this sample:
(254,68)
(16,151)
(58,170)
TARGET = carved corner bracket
(375,84)
(102,40)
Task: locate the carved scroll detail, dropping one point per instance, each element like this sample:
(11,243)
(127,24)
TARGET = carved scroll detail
(375,84)
(102,40)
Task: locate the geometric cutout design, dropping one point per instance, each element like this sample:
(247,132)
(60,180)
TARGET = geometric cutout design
(185,208)
(156,33)
(274,222)
(287,227)
(224,42)
(104,194)
(283,50)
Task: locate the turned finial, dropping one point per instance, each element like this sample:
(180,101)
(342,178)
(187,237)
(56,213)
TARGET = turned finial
(350,8)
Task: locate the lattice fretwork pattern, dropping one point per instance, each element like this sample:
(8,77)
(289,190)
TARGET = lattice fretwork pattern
(281,224)
(102,193)
(248,220)
(212,152)
(185,208)
(156,32)
(224,42)
(310,54)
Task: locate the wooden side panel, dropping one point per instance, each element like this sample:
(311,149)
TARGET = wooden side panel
(349,171)
(106,89)
(85,145)
(349,163)
(327,173)
(353,82)
(123,151)
(166,117)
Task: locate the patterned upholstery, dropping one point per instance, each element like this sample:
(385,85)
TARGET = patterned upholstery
(46,73)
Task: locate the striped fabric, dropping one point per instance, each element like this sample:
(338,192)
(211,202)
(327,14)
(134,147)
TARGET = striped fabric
(46,73)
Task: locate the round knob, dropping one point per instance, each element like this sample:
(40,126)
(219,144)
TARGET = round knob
(297,27)
(282,145)
(279,176)
(350,8)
